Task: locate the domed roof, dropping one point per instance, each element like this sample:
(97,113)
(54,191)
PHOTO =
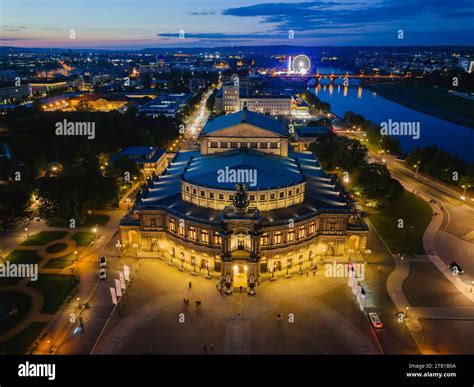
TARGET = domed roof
(259,170)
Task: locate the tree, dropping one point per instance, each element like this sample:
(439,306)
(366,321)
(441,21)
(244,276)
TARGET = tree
(14,204)
(375,183)
(336,151)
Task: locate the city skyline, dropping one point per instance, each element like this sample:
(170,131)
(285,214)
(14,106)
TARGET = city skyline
(117,25)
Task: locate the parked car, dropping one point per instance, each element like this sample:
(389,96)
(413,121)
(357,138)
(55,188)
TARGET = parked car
(456,268)
(102,273)
(375,320)
(102,261)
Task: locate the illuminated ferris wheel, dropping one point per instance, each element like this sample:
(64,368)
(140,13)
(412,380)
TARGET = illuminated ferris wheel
(301,64)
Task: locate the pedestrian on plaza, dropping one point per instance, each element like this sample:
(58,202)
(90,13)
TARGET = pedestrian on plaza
(184,301)
(241,288)
(205,350)
(190,284)
(314,273)
(212,347)
(279,316)
(197,304)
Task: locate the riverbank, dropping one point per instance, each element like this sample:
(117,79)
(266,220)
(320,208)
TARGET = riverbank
(429,100)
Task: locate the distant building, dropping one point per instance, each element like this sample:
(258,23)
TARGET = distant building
(196,84)
(165,104)
(108,102)
(46,86)
(467,64)
(230,100)
(306,135)
(14,93)
(8,75)
(149,160)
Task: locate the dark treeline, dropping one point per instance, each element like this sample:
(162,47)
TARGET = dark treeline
(71,174)
(373,132)
(314,102)
(442,165)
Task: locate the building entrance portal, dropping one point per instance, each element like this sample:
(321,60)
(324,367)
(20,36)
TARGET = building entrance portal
(240,275)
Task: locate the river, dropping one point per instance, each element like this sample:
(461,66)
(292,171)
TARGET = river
(450,137)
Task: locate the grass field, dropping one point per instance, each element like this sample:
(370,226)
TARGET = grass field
(83,238)
(91,221)
(60,262)
(22,342)
(56,248)
(20,301)
(44,237)
(416,215)
(23,256)
(55,289)
(430,100)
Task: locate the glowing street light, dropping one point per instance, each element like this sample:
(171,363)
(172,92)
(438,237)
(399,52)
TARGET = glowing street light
(463,196)
(417,166)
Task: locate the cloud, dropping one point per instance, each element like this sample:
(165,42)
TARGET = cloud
(204,13)
(313,15)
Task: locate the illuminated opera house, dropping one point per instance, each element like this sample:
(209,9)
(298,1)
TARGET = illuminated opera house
(244,207)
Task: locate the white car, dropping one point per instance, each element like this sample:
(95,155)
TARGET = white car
(102,273)
(375,320)
(102,261)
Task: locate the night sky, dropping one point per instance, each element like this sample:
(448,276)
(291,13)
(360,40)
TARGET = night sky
(156,23)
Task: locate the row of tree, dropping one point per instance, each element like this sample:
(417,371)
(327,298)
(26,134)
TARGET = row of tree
(442,165)
(372,130)
(373,181)
(314,102)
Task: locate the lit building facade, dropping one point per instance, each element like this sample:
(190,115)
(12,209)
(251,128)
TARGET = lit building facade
(243,208)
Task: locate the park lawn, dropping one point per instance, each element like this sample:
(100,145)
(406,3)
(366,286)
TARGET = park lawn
(22,342)
(55,289)
(83,238)
(23,256)
(430,100)
(56,248)
(22,303)
(95,220)
(416,215)
(19,257)
(44,237)
(91,221)
(60,262)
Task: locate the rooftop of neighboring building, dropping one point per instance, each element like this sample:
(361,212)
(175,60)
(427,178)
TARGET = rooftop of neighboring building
(242,117)
(139,153)
(312,131)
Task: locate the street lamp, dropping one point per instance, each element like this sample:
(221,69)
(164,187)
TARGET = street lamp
(322,249)
(417,166)
(171,263)
(463,196)
(208,270)
(193,262)
(50,348)
(472,284)
(300,260)
(349,252)
(78,302)
(135,246)
(94,230)
(27,232)
(182,262)
(367,252)
(407,309)
(288,264)
(76,256)
(119,246)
